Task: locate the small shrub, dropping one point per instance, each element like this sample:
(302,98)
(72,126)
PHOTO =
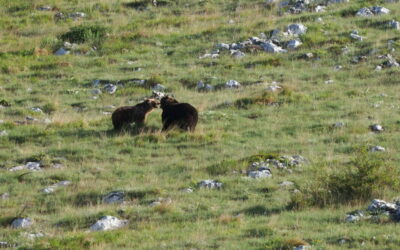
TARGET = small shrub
(94,34)
(362,179)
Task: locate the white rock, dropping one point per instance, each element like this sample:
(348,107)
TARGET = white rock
(187,190)
(338,124)
(3,133)
(354,35)
(376,128)
(238,54)
(223,46)
(256,174)
(378,68)
(329,81)
(95,92)
(394,25)
(33,166)
(378,10)
(381,205)
(61,52)
(210,184)
(33,236)
(110,88)
(108,223)
(364,12)
(352,218)
(45,8)
(302,247)
(273,88)
(320,8)
(114,197)
(77,15)
(377,149)
(52,188)
(5,196)
(338,67)
(208,55)
(286,184)
(22,223)
(293,44)
(296,29)
(37,110)
(272,48)
(232,84)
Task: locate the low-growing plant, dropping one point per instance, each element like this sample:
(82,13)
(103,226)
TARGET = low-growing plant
(365,177)
(95,34)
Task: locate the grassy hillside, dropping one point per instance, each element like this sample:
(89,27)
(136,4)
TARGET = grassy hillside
(118,40)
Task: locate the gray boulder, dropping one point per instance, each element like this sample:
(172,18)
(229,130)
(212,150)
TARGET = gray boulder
(209,184)
(364,12)
(296,29)
(114,197)
(21,223)
(108,223)
(272,48)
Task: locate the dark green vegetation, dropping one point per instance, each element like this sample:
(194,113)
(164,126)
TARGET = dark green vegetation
(162,44)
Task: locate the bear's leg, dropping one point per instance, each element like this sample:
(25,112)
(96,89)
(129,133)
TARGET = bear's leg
(167,125)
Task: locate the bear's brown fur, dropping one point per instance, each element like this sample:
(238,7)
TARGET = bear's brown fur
(175,114)
(126,115)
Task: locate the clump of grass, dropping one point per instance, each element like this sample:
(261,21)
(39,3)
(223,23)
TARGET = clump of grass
(94,34)
(365,177)
(286,95)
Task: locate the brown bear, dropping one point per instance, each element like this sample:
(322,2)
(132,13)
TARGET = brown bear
(175,114)
(126,115)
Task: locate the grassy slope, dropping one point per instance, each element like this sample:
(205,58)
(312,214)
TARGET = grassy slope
(166,42)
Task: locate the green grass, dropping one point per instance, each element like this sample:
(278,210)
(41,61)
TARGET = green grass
(235,126)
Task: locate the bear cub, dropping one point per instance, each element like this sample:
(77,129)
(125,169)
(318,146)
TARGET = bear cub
(124,116)
(176,114)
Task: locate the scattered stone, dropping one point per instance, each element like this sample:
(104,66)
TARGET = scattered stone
(354,216)
(207,55)
(286,184)
(3,133)
(33,236)
(33,166)
(394,24)
(378,10)
(187,190)
(338,67)
(377,149)
(223,46)
(37,110)
(272,48)
(354,34)
(296,29)
(201,86)
(293,44)
(210,184)
(382,206)
(329,81)
(238,54)
(95,92)
(110,88)
(108,223)
(5,196)
(391,62)
(77,15)
(159,201)
(261,172)
(52,188)
(364,12)
(232,84)
(45,8)
(320,8)
(114,197)
(301,247)
(21,223)
(62,52)
(274,87)
(378,68)
(338,124)
(376,128)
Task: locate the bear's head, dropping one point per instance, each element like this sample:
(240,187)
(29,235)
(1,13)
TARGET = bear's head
(154,103)
(168,100)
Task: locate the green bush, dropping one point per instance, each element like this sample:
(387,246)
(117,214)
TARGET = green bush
(364,178)
(94,34)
